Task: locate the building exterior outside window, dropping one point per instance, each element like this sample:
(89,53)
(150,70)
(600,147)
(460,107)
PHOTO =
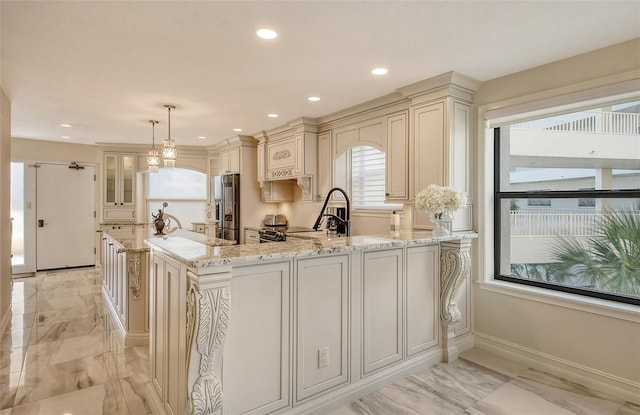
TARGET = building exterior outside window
(567,205)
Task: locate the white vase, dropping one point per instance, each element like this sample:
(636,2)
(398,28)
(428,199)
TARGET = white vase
(443,223)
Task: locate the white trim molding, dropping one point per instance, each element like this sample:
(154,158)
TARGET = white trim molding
(615,385)
(586,304)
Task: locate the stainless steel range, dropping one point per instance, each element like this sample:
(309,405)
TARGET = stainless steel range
(277,230)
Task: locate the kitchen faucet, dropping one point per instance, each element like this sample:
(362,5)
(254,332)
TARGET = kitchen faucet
(346,221)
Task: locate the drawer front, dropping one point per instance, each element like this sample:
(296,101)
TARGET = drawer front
(119,214)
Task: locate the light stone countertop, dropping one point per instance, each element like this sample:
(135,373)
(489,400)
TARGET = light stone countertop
(135,241)
(196,254)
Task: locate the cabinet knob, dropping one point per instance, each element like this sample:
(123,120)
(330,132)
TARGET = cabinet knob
(121,203)
(386,194)
(115,204)
(110,244)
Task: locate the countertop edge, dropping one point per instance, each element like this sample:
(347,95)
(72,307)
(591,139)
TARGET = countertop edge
(204,256)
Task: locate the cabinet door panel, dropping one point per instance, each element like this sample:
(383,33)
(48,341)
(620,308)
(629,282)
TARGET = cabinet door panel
(397,157)
(422,298)
(322,309)
(128,178)
(258,340)
(429,145)
(325,165)
(110,168)
(157,335)
(174,323)
(234,160)
(382,309)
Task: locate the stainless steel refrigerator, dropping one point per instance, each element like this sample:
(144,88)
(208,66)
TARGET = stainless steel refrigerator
(227,203)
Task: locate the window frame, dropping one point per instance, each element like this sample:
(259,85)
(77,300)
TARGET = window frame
(500,195)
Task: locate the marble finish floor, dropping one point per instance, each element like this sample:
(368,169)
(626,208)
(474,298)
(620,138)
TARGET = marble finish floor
(62,356)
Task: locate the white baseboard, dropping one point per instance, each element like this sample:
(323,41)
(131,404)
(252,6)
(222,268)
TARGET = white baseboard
(602,381)
(152,398)
(5,320)
(465,342)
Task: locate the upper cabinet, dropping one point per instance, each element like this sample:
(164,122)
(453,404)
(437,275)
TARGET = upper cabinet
(229,161)
(288,153)
(325,165)
(396,158)
(440,140)
(119,173)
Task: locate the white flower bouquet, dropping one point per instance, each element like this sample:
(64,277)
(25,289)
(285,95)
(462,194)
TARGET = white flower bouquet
(438,200)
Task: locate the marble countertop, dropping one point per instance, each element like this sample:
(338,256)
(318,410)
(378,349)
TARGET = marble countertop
(199,255)
(135,241)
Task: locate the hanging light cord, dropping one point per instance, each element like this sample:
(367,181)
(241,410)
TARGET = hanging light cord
(153,135)
(169,116)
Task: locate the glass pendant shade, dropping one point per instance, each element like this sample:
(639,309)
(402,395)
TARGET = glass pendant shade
(153,159)
(169,152)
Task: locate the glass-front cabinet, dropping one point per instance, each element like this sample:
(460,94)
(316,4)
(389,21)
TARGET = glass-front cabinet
(119,186)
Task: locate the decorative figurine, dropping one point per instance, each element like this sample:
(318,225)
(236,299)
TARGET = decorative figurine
(158,220)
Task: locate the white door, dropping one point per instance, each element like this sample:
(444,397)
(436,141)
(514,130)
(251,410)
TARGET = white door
(65,235)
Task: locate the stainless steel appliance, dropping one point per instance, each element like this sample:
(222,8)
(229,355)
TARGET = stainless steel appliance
(227,201)
(275,220)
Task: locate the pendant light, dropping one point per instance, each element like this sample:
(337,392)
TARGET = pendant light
(169,152)
(153,159)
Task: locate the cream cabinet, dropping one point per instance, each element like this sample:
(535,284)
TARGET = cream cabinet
(119,185)
(258,347)
(421,288)
(382,309)
(325,165)
(229,161)
(261,161)
(322,324)
(168,334)
(397,158)
(125,286)
(251,236)
(442,152)
(289,157)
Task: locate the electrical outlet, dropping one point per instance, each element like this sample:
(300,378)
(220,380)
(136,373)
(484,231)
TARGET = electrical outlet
(323,357)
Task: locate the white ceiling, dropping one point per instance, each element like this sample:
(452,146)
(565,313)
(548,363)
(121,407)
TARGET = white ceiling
(108,67)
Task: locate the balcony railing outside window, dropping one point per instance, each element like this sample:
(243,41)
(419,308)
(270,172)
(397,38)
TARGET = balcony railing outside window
(600,122)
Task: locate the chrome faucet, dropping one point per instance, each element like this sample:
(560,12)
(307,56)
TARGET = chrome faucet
(345,221)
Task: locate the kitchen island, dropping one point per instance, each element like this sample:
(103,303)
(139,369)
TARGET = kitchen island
(125,271)
(301,326)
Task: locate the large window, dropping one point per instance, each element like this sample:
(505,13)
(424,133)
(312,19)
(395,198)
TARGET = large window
(184,190)
(368,179)
(567,211)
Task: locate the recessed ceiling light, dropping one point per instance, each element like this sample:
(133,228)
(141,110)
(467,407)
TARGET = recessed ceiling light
(272,115)
(202,137)
(313,99)
(379,71)
(237,130)
(267,34)
(65,125)
(64,136)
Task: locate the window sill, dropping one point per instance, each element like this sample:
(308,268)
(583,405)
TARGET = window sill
(597,306)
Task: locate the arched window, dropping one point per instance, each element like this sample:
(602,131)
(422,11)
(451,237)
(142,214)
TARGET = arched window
(185,190)
(368,179)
